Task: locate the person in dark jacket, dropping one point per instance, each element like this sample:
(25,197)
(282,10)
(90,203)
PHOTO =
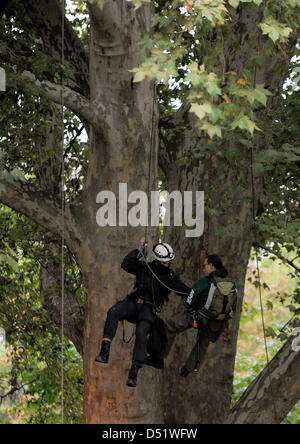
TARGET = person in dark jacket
(184,320)
(140,306)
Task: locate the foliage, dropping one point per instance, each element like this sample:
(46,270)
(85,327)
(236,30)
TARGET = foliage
(279,308)
(28,118)
(191,47)
(189,58)
(33,339)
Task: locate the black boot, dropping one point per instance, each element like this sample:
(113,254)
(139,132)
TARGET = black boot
(184,372)
(104,352)
(131,381)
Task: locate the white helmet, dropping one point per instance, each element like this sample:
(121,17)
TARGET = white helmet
(163,252)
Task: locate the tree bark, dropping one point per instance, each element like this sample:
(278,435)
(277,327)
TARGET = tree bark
(213,383)
(46,16)
(273,393)
(118,154)
(38,206)
(51,297)
(77,103)
(210,391)
(122,143)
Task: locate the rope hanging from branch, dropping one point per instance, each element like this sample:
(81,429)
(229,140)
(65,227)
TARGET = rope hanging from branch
(260,286)
(62,210)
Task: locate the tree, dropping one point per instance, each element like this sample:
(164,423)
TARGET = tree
(227,59)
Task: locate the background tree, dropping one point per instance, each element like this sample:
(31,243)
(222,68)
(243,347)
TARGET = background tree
(227,62)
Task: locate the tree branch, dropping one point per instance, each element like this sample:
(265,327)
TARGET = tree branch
(284,259)
(50,292)
(273,393)
(46,16)
(77,103)
(38,206)
(16,389)
(173,121)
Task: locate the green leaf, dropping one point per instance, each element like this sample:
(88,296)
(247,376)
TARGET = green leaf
(138,3)
(270,332)
(245,123)
(6,259)
(201,110)
(234,3)
(275,30)
(139,77)
(261,94)
(212,130)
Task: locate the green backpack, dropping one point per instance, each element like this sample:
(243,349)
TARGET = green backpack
(221,300)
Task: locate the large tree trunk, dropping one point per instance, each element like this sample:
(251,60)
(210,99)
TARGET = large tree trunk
(209,390)
(121,142)
(119,153)
(230,193)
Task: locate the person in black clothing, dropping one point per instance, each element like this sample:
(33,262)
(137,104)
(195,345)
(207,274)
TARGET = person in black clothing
(139,307)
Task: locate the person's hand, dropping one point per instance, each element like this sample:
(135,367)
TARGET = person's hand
(142,242)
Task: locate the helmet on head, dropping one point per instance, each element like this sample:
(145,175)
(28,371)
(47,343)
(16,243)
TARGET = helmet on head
(163,252)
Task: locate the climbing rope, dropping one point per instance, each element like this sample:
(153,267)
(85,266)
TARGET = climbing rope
(156,277)
(148,194)
(62,212)
(259,284)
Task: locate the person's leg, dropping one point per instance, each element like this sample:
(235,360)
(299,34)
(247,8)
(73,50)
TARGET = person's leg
(120,311)
(197,354)
(179,323)
(139,352)
(143,327)
(210,333)
(155,344)
(140,347)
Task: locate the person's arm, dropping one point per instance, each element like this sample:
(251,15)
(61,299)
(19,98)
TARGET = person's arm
(198,295)
(190,300)
(179,287)
(131,262)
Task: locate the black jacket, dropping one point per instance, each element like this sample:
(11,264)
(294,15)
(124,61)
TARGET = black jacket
(146,286)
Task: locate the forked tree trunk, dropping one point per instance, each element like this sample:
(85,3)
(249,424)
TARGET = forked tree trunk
(120,148)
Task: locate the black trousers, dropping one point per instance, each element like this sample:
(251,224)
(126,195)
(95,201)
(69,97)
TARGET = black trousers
(137,313)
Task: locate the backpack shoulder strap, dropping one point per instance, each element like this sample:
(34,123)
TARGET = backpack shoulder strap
(211,293)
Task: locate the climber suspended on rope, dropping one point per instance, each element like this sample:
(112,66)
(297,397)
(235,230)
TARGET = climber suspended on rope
(208,307)
(154,282)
